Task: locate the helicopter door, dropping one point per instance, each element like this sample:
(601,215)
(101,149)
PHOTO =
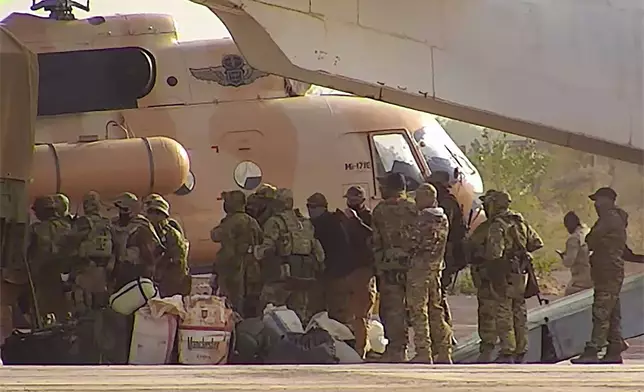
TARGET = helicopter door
(393,152)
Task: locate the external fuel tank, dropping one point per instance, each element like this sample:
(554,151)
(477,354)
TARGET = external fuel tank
(109,167)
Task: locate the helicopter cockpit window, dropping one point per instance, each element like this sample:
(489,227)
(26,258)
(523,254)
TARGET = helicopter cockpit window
(392,153)
(93,80)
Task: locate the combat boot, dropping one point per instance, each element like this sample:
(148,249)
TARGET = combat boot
(394,356)
(519,358)
(505,358)
(423,355)
(443,358)
(485,356)
(614,353)
(589,356)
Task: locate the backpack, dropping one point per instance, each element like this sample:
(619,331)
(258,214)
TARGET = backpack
(298,238)
(99,243)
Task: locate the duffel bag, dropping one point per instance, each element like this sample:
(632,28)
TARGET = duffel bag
(133,296)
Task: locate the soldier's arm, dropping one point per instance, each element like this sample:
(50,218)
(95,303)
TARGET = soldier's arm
(217,231)
(376,239)
(572,249)
(535,242)
(270,238)
(179,248)
(604,225)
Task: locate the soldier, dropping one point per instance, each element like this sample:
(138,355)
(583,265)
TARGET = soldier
(454,253)
(291,258)
(95,255)
(137,247)
(423,279)
(393,227)
(44,254)
(576,256)
(171,272)
(355,196)
(236,269)
(61,205)
(607,241)
(260,205)
(171,221)
(510,239)
(348,270)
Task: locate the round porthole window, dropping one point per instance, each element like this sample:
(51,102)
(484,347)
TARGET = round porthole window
(188,186)
(248,175)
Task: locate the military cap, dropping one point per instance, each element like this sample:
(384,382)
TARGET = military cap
(317,200)
(439,177)
(487,194)
(151,197)
(267,191)
(158,204)
(393,181)
(127,200)
(606,192)
(355,191)
(427,192)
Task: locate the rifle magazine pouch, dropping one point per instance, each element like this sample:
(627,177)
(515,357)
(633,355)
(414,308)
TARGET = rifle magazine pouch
(133,296)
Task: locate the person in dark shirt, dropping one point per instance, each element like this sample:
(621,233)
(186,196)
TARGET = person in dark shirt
(356,201)
(348,266)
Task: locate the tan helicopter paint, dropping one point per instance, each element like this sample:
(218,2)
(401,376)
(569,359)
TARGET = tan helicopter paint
(306,143)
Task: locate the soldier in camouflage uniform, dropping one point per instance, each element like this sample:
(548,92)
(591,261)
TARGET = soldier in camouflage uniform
(423,279)
(94,256)
(291,258)
(137,247)
(508,244)
(44,255)
(393,225)
(607,241)
(171,221)
(171,273)
(237,233)
(261,204)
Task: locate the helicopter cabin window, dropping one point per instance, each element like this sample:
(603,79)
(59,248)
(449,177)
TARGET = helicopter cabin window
(392,153)
(93,80)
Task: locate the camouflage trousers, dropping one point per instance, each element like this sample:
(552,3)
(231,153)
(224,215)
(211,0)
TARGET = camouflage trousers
(426,315)
(231,286)
(607,315)
(487,309)
(393,312)
(350,300)
(277,294)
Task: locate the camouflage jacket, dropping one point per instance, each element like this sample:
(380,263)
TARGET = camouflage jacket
(276,228)
(45,245)
(136,243)
(393,224)
(176,248)
(430,238)
(510,238)
(607,239)
(237,233)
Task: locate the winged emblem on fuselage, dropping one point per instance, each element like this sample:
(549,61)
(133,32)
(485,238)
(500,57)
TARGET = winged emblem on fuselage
(233,71)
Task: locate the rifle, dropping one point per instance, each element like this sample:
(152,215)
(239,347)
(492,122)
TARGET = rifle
(532,286)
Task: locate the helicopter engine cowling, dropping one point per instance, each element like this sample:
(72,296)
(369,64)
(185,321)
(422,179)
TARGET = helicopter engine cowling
(109,167)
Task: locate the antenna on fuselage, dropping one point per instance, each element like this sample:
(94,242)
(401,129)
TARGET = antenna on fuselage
(59,9)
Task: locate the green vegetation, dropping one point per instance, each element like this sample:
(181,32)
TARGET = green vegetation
(546,181)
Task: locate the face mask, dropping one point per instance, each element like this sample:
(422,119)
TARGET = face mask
(314,212)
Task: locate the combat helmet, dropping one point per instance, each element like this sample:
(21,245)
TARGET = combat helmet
(267,191)
(61,204)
